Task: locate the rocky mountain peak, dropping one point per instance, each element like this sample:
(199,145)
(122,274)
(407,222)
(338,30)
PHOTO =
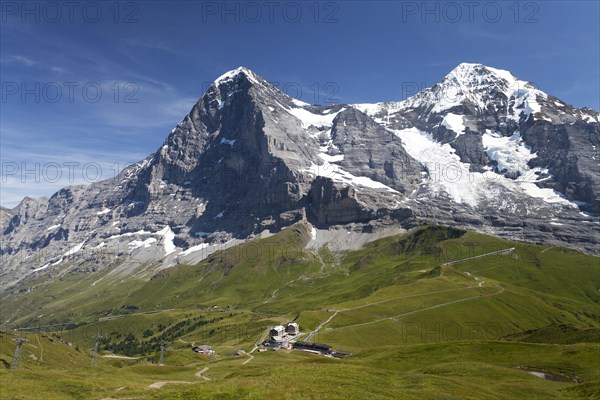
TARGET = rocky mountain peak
(470,75)
(495,121)
(240,80)
(239,72)
(482,88)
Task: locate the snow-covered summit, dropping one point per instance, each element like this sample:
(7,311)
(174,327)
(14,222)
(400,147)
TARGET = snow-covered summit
(476,74)
(480,86)
(231,75)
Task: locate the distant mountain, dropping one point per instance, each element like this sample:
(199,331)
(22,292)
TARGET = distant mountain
(5,216)
(481,150)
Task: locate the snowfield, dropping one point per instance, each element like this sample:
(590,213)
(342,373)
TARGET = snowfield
(448,174)
(309,119)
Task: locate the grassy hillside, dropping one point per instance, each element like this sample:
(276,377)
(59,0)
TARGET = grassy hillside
(556,333)
(435,313)
(477,370)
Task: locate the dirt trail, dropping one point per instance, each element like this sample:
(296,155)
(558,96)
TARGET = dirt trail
(158,385)
(41,349)
(313,333)
(505,251)
(261,339)
(119,357)
(200,373)
(500,290)
(408,313)
(129,315)
(301,277)
(477,279)
(404,297)
(323,265)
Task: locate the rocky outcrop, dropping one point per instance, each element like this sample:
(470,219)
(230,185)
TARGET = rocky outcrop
(6,215)
(373,151)
(570,153)
(332,203)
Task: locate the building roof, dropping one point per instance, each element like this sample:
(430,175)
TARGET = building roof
(295,325)
(279,328)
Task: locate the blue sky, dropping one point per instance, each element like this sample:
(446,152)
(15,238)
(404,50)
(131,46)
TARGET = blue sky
(88,88)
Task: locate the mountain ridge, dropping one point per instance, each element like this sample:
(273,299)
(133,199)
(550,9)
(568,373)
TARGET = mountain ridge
(248,158)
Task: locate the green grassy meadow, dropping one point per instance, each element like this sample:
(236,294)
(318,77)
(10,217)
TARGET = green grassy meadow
(419,325)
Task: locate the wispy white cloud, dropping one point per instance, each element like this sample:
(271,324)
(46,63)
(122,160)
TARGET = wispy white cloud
(28,62)
(40,170)
(474,31)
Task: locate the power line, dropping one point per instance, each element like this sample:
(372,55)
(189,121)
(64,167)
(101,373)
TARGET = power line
(96,346)
(161,360)
(17,356)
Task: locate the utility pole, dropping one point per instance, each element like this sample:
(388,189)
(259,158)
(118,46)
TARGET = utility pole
(161,360)
(96,346)
(17,356)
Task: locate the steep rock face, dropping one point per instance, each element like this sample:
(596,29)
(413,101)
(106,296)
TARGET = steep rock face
(6,214)
(470,149)
(373,151)
(241,161)
(570,152)
(334,203)
(231,159)
(30,212)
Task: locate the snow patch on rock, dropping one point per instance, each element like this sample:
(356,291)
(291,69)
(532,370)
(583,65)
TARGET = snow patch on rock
(337,174)
(168,236)
(74,249)
(309,119)
(454,122)
(141,243)
(194,249)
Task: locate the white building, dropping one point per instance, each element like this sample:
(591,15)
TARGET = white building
(293,328)
(277,331)
(204,349)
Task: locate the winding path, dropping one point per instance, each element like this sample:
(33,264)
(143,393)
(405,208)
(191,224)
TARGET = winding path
(505,251)
(158,385)
(394,317)
(200,373)
(120,357)
(404,297)
(313,333)
(477,279)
